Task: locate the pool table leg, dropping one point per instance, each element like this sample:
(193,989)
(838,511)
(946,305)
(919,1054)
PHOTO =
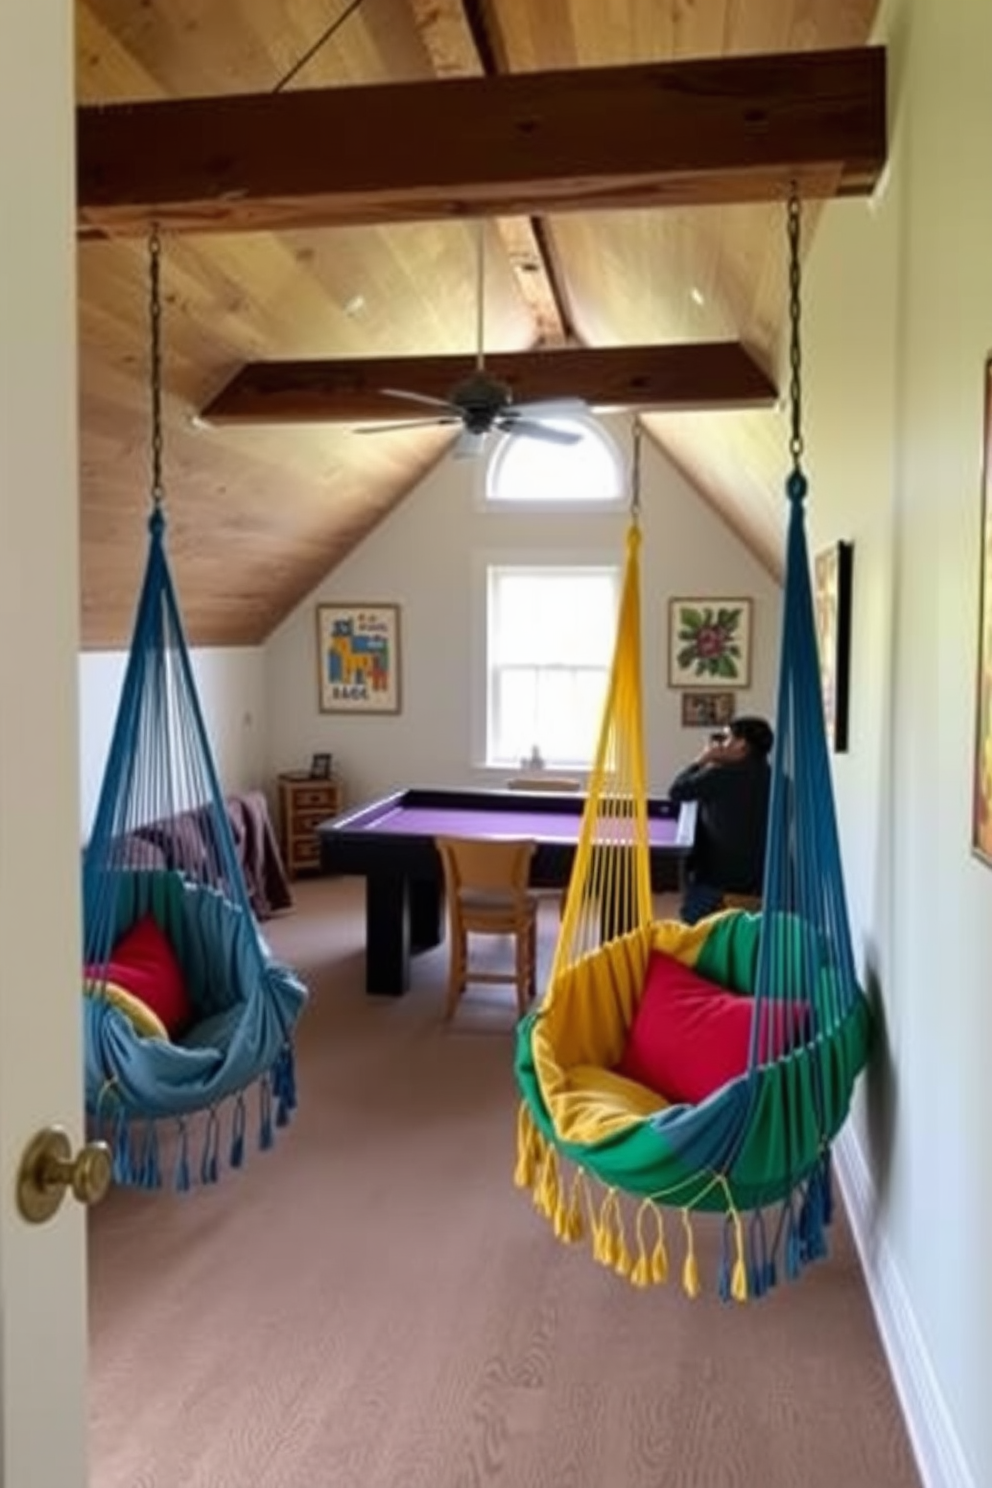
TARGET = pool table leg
(387,935)
(402,915)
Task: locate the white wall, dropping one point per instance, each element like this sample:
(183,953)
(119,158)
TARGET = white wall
(899,320)
(231,687)
(430,557)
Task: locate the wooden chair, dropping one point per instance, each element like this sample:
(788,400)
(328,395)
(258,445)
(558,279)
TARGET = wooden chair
(486,889)
(751,902)
(544,783)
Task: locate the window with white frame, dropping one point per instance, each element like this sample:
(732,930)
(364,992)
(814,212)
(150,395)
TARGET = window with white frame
(551,633)
(527,471)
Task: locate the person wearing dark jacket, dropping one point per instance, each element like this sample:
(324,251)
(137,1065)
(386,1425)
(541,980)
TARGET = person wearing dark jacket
(731,781)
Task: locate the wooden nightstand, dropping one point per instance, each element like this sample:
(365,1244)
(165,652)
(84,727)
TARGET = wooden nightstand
(303,804)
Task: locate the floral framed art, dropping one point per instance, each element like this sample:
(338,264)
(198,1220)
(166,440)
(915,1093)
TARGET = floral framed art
(709,642)
(981,813)
(832,569)
(358,658)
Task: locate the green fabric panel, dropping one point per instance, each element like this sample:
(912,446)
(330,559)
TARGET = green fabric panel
(762,1163)
(159,892)
(829,1071)
(856,1039)
(729,955)
(781,1143)
(787,1128)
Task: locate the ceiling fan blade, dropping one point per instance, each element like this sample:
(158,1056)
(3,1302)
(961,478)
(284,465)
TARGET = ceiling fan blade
(533,430)
(406,424)
(420,398)
(553,407)
(468,445)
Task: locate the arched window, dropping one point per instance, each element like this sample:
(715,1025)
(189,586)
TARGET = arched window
(533,472)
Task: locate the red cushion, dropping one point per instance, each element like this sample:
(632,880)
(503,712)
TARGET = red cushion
(144,963)
(689,1036)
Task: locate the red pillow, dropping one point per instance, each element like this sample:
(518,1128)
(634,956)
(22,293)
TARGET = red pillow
(144,964)
(689,1036)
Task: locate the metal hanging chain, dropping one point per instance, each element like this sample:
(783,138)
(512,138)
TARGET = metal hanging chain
(635,472)
(795,349)
(155,317)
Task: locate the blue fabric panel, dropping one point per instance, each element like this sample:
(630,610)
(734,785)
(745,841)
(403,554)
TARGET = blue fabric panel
(160,771)
(249,1006)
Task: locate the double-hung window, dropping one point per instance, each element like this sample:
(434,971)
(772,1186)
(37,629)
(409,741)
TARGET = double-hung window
(551,633)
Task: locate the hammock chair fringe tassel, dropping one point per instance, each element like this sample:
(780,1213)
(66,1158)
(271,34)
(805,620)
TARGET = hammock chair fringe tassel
(628,1236)
(201,1139)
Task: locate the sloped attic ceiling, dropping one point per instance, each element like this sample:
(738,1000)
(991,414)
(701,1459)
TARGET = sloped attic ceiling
(259,513)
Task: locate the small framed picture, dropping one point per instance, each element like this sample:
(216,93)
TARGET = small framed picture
(358,653)
(321,766)
(710,710)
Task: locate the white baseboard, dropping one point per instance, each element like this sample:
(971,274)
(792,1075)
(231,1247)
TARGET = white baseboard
(939,1456)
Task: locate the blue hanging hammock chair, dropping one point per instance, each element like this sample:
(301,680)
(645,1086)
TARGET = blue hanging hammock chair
(245,1004)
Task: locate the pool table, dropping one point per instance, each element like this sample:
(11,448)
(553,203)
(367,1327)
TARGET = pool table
(391,844)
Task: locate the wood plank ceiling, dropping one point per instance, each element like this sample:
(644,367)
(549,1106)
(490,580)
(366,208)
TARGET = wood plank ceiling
(259,513)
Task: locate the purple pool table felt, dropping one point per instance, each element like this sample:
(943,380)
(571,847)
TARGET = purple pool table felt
(431,821)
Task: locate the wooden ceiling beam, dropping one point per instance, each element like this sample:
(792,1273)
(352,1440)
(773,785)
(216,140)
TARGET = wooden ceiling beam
(459,42)
(703,375)
(732,129)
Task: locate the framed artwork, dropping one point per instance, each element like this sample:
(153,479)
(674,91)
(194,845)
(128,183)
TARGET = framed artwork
(709,642)
(321,767)
(358,658)
(712,710)
(981,812)
(832,569)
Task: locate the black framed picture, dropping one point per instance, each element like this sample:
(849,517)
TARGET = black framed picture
(321,766)
(708,709)
(832,573)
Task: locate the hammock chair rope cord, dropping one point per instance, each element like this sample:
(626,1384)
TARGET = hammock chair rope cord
(758,1149)
(162,850)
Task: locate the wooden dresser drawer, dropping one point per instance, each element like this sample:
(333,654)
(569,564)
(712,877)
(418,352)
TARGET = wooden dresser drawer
(309,797)
(310,819)
(303,804)
(305,851)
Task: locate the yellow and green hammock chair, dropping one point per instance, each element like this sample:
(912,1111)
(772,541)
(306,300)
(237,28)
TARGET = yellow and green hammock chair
(604,1157)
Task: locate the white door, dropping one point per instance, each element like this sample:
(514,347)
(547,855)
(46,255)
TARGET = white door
(42,1267)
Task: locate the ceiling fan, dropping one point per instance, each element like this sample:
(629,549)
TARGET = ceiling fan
(483,405)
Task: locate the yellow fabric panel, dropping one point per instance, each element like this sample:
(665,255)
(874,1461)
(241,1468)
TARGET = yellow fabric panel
(612,865)
(589,1005)
(684,942)
(596,1103)
(146,1023)
(583,1027)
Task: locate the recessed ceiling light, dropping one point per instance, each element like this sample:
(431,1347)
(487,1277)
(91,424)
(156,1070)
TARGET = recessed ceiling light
(355,305)
(696,296)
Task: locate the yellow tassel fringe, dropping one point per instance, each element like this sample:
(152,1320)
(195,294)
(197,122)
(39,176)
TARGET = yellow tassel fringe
(573,1215)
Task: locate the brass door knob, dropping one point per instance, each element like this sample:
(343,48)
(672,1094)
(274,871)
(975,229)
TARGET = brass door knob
(48,1168)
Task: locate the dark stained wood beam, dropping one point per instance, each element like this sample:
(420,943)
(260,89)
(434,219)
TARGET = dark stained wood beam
(733,129)
(711,375)
(458,40)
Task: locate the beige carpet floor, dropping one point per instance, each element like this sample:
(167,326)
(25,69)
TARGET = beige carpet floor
(373,1304)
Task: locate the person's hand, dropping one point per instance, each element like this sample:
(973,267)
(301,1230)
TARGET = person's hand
(722,750)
